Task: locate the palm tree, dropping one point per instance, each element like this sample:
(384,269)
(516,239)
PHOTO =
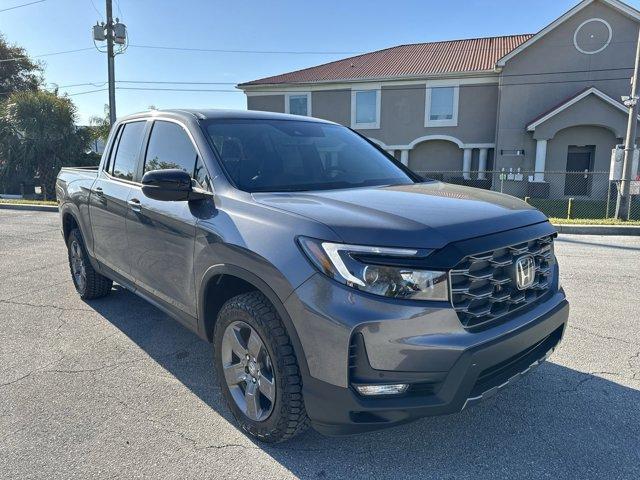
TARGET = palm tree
(38,136)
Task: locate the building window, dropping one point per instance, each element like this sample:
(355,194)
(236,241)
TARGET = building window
(441,106)
(298,104)
(365,108)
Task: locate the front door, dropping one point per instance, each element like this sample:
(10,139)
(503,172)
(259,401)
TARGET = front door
(162,234)
(579,167)
(108,208)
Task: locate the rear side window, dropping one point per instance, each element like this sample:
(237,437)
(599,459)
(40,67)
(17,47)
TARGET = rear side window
(126,158)
(170,147)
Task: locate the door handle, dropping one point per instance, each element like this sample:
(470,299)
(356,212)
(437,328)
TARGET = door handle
(134,204)
(98,191)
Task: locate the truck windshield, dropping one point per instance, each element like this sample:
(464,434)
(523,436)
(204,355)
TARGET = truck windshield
(288,155)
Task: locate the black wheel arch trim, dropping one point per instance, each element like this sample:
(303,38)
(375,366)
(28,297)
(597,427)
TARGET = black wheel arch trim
(70,209)
(263,287)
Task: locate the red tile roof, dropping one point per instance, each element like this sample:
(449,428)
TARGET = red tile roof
(418,59)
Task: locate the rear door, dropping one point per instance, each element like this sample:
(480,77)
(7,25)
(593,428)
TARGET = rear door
(108,207)
(162,234)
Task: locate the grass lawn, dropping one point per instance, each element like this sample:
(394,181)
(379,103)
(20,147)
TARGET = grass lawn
(592,221)
(21,201)
(582,211)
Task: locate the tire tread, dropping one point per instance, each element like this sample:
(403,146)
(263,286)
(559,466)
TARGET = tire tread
(293,417)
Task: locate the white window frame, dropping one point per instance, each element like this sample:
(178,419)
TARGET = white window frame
(287,96)
(453,122)
(364,88)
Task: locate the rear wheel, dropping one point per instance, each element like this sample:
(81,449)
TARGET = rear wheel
(89,283)
(257,369)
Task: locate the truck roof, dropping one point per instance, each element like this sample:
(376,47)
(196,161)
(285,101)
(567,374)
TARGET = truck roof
(206,114)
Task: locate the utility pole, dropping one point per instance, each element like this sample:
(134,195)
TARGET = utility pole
(115,34)
(111,64)
(624,197)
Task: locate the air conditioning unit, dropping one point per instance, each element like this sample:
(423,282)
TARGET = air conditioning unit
(617,163)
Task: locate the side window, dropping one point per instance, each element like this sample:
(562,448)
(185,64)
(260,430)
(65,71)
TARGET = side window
(126,157)
(108,166)
(170,147)
(201,175)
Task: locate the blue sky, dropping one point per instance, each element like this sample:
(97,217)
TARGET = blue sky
(320,25)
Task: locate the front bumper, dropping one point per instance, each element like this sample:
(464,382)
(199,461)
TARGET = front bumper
(448,367)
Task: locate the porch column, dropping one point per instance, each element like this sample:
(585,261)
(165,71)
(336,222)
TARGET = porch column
(404,157)
(541,159)
(466,163)
(482,164)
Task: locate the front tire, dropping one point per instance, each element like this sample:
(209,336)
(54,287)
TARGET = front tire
(257,369)
(88,283)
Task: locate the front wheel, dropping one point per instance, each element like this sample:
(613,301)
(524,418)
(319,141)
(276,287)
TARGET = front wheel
(89,283)
(257,369)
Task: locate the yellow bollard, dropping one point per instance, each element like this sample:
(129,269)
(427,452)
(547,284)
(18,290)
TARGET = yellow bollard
(570,208)
(526,199)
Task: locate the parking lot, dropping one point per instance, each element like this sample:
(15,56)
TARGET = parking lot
(115,388)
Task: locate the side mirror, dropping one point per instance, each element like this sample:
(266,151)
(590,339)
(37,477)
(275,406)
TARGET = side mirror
(171,185)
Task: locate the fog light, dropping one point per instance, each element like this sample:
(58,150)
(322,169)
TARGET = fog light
(390,389)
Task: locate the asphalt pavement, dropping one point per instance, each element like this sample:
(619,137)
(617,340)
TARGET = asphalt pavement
(115,388)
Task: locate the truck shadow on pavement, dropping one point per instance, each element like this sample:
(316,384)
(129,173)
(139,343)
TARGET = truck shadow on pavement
(556,422)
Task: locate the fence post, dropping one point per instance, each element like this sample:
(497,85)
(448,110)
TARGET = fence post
(606,215)
(570,208)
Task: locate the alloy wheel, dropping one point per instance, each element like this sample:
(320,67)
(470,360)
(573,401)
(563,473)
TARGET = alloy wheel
(78,269)
(248,371)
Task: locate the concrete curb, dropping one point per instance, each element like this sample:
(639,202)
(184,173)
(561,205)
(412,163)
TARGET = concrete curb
(599,229)
(28,207)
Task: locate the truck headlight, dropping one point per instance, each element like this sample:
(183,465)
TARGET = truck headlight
(372,270)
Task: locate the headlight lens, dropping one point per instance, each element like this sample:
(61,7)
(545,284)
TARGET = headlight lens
(357,266)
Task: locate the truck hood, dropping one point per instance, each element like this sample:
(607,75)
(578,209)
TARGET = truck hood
(424,215)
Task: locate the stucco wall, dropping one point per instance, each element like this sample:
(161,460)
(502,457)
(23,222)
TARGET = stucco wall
(524,96)
(333,105)
(603,139)
(402,115)
(402,112)
(592,110)
(435,155)
(266,103)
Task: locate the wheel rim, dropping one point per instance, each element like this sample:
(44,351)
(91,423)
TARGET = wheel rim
(78,269)
(248,371)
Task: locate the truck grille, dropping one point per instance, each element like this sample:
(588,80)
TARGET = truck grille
(483,287)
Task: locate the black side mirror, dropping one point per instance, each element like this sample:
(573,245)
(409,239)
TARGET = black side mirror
(171,185)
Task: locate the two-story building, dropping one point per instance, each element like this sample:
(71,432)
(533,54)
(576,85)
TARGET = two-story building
(544,102)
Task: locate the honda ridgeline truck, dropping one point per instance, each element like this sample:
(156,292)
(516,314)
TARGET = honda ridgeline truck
(339,289)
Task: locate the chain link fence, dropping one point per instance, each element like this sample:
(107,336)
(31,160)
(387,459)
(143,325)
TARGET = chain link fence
(570,195)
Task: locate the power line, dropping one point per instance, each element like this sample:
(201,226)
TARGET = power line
(96,9)
(282,91)
(179,82)
(13,59)
(86,92)
(22,5)
(119,9)
(386,88)
(220,50)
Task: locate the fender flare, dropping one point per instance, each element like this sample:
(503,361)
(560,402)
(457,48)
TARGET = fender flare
(69,208)
(263,287)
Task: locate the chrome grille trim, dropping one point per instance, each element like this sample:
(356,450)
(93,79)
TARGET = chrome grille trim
(481,286)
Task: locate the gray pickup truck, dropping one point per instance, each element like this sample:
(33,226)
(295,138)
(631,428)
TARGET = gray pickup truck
(339,289)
